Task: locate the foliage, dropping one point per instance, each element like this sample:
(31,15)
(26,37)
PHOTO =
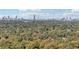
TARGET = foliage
(41,34)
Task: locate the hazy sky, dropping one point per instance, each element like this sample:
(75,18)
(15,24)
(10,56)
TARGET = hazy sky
(40,13)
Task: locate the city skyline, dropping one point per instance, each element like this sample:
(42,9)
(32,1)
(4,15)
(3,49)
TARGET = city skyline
(40,13)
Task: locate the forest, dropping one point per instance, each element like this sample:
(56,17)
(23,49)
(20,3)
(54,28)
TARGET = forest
(39,34)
